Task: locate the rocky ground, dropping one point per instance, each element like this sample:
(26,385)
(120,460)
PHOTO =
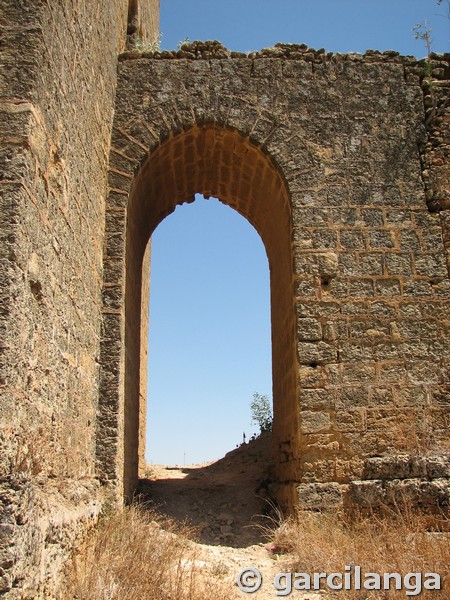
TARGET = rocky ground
(228,504)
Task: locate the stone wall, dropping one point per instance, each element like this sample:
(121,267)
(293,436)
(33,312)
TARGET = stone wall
(340,162)
(57,84)
(351,137)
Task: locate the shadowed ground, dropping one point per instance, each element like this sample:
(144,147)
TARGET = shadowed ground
(225,500)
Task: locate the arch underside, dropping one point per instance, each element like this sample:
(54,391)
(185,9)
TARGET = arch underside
(218,162)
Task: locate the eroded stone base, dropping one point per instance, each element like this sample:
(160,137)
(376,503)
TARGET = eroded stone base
(40,524)
(420,481)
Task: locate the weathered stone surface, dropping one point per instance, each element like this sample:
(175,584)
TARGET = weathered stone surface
(57,86)
(309,329)
(419,493)
(404,466)
(366,493)
(319,152)
(313,422)
(416,493)
(419,481)
(320,496)
(367,258)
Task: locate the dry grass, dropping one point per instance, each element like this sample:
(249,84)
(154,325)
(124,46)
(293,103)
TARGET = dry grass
(402,542)
(128,556)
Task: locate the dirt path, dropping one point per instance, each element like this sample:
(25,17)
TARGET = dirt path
(228,504)
(225,500)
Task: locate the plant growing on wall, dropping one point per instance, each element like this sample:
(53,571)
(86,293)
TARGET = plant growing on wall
(422,31)
(139,44)
(185,42)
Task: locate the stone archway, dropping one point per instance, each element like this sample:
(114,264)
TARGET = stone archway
(334,189)
(221,162)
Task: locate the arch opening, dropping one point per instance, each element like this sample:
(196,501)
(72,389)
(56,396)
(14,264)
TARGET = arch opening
(223,163)
(209,338)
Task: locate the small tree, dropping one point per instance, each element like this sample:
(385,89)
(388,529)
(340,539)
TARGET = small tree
(261,412)
(422,31)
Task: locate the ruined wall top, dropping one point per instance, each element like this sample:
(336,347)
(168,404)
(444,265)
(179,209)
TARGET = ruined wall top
(432,74)
(213,49)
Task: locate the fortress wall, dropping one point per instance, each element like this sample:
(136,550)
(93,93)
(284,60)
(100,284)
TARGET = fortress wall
(57,86)
(360,146)
(350,138)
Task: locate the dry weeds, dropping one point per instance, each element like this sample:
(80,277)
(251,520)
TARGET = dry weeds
(136,554)
(402,541)
(128,556)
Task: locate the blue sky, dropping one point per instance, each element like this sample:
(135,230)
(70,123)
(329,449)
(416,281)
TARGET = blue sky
(209,343)
(209,346)
(336,25)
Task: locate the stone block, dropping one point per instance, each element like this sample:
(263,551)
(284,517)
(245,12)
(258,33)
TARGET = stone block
(409,240)
(398,264)
(348,469)
(348,264)
(441,396)
(351,420)
(400,466)
(437,467)
(360,287)
(319,308)
(323,443)
(327,264)
(314,421)
(371,264)
(337,287)
(431,265)
(317,399)
(316,353)
(311,377)
(370,328)
(324,239)
(430,494)
(333,374)
(392,372)
(409,310)
(387,287)
(309,330)
(335,330)
(318,469)
(409,396)
(382,308)
(305,287)
(358,372)
(354,350)
(366,493)
(343,216)
(416,288)
(352,396)
(379,238)
(381,397)
(372,217)
(353,240)
(432,239)
(319,496)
